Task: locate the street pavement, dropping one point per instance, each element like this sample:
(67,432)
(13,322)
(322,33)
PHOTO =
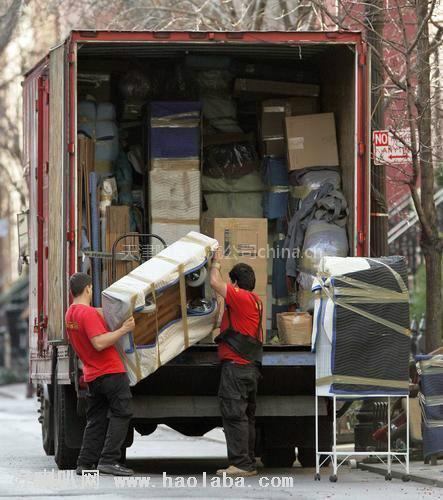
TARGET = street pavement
(167,465)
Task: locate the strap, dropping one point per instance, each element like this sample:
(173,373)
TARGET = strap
(154,298)
(181,270)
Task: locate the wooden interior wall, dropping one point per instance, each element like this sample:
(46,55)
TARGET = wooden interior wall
(338,96)
(57,219)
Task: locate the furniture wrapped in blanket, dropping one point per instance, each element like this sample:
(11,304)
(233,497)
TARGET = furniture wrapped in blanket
(275,199)
(166,295)
(175,134)
(361,319)
(430,369)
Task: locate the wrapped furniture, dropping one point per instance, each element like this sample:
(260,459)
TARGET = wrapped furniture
(362,341)
(430,369)
(161,295)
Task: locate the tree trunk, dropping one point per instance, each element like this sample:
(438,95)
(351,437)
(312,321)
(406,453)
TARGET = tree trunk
(433,296)
(374,19)
(431,242)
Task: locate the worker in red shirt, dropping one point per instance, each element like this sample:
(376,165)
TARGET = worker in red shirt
(108,398)
(240,349)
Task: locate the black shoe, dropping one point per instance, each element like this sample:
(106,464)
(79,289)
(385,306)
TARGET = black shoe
(81,468)
(115,470)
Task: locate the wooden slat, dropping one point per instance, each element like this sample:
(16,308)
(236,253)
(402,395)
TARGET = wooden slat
(168,309)
(57,279)
(118,222)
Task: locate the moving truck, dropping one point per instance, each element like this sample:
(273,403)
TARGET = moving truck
(183,393)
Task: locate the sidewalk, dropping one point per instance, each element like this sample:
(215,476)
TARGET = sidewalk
(431,475)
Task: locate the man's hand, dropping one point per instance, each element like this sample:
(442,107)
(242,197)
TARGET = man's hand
(216,280)
(128,325)
(108,339)
(218,255)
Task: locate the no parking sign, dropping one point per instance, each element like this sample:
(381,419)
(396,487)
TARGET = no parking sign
(389,149)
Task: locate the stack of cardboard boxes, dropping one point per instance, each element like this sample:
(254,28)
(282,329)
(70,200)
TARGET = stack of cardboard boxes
(175,177)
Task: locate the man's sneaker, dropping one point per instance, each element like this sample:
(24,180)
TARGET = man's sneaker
(115,470)
(232,470)
(81,468)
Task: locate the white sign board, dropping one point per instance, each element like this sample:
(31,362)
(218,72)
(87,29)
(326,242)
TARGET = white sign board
(389,149)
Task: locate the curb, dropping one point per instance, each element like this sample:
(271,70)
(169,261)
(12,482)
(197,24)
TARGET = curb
(400,474)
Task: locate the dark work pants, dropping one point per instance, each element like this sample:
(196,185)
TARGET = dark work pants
(107,419)
(237,395)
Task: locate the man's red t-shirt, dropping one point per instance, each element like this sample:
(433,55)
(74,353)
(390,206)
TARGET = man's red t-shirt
(245,318)
(82,324)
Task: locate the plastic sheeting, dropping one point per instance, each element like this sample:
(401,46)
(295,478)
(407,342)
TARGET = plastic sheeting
(231,205)
(246,183)
(128,295)
(322,240)
(221,114)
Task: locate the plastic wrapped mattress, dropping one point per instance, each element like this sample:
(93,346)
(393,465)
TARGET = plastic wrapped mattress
(361,326)
(170,268)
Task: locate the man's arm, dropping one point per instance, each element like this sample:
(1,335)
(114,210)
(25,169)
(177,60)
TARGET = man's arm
(216,280)
(108,339)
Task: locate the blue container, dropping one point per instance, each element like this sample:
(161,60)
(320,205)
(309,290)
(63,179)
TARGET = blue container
(175,129)
(276,178)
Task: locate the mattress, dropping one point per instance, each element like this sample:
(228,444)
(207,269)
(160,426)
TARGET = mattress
(361,326)
(138,291)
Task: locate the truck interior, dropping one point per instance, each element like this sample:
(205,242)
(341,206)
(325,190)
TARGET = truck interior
(132,75)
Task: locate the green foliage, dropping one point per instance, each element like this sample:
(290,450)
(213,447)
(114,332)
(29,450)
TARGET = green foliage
(418,293)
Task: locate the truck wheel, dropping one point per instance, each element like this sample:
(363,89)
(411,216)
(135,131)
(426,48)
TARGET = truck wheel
(65,457)
(278,457)
(46,418)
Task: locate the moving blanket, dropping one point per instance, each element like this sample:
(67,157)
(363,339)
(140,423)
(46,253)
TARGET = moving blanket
(430,369)
(128,295)
(361,326)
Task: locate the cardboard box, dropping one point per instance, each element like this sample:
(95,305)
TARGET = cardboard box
(242,240)
(268,87)
(275,147)
(274,112)
(311,141)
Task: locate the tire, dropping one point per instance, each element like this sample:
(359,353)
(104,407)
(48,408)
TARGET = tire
(278,457)
(47,419)
(65,457)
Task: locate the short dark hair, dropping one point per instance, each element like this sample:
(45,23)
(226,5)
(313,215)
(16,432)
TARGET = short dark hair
(78,282)
(243,275)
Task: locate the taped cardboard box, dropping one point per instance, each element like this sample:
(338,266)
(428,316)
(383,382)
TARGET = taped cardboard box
(274,112)
(269,87)
(174,195)
(242,240)
(311,141)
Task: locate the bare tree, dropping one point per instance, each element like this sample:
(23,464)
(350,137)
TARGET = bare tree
(403,51)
